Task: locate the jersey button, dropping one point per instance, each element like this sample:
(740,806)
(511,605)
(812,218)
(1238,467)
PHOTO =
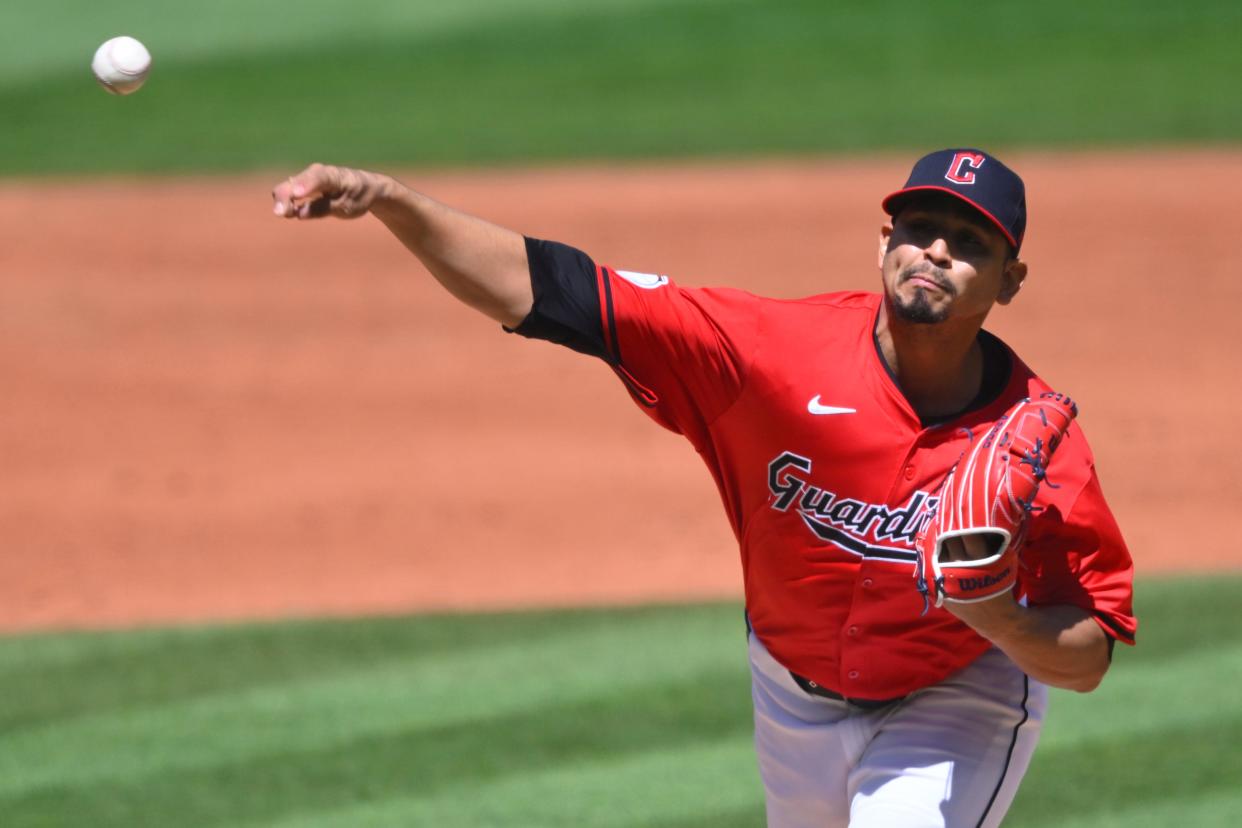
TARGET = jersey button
(868,583)
(909,472)
(852,631)
(853,674)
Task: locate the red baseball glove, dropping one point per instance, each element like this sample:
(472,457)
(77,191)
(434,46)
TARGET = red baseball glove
(969,550)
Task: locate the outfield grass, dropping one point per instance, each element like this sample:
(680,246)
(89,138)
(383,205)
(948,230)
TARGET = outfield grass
(245,84)
(635,717)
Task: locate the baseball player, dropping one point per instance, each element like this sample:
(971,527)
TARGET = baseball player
(925,546)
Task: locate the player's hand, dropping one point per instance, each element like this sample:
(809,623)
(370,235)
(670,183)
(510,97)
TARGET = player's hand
(323,190)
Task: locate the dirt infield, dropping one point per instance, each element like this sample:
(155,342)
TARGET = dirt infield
(210,413)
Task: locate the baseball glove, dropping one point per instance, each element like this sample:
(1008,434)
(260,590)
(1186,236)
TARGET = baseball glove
(969,550)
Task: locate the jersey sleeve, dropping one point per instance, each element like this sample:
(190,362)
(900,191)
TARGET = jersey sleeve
(683,353)
(1076,555)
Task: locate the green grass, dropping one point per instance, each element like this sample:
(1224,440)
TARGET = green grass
(244,85)
(632,717)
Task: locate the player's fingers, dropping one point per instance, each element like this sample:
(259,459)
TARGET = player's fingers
(954,550)
(317,180)
(315,183)
(317,208)
(282,198)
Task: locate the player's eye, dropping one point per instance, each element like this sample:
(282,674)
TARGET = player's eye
(919,228)
(973,242)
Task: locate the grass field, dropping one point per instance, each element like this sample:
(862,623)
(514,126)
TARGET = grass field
(632,717)
(240,85)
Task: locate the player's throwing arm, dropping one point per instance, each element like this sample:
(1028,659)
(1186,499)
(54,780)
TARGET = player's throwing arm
(481,264)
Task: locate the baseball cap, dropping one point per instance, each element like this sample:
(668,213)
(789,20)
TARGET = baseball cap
(975,177)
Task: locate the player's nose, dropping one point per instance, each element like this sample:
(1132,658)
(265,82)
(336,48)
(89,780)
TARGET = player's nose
(938,251)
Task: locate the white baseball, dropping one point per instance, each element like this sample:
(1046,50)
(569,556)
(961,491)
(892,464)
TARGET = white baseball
(121,65)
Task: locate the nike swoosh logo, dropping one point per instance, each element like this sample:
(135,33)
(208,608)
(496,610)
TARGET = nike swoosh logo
(815,408)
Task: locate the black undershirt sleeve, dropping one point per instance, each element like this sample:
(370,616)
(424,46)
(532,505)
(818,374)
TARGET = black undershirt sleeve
(566,308)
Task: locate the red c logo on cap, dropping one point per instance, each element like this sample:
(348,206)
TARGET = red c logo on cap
(972,160)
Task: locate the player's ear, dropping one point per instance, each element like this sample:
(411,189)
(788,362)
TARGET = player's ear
(886,233)
(1011,281)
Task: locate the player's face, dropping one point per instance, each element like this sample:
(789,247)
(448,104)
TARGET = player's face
(941,260)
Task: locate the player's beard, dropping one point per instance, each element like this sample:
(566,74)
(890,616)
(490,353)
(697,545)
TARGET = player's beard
(918,309)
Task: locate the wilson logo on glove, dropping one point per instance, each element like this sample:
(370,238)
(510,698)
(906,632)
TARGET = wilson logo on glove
(987,496)
(972,584)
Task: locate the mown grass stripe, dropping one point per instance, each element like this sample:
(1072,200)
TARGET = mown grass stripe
(1191,690)
(609,792)
(1164,762)
(42,38)
(1215,809)
(138,670)
(563,665)
(405,761)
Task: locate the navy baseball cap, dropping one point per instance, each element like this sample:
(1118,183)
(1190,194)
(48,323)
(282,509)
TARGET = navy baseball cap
(976,178)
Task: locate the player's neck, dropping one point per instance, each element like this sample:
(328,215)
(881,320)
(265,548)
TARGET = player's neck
(939,368)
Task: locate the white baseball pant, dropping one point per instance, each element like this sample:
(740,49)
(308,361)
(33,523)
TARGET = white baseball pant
(948,756)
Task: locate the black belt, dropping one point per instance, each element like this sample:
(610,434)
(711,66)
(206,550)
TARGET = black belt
(864,704)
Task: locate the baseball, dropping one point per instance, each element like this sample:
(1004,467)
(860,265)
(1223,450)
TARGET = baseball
(121,65)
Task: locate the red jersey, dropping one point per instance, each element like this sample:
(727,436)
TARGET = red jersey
(827,473)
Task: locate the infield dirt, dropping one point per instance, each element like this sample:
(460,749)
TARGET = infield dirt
(211,413)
